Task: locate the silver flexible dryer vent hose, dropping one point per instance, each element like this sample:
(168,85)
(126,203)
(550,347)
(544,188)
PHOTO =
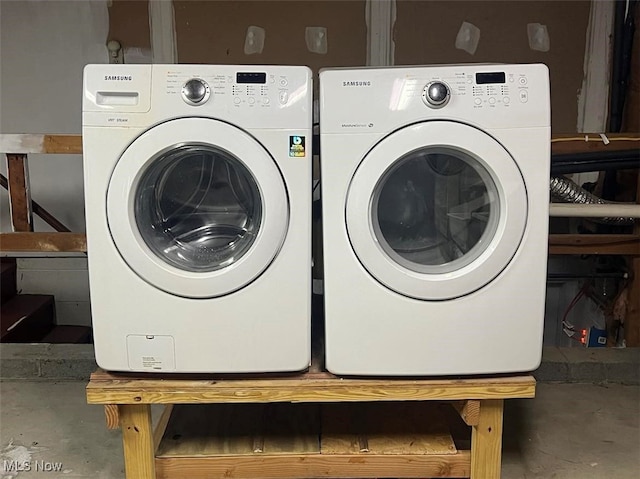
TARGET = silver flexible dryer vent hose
(570,192)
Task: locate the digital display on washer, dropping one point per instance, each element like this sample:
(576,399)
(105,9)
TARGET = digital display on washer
(487,78)
(249,77)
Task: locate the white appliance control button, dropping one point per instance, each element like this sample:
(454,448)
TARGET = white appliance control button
(283,82)
(477,101)
(436,94)
(523,80)
(265,101)
(506,100)
(195,91)
(524,96)
(252,101)
(236,100)
(492,101)
(283,97)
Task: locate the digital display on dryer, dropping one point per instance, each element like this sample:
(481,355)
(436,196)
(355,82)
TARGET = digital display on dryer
(488,78)
(250,77)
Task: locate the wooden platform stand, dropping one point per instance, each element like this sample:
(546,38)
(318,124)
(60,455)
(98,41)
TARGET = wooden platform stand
(312,425)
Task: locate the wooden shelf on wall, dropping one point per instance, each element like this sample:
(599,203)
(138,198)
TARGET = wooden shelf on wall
(30,242)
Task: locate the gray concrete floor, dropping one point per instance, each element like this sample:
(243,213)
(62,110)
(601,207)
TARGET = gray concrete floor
(568,431)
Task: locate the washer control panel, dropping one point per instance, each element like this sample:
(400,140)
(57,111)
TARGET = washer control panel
(243,89)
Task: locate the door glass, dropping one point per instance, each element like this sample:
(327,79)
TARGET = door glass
(435,210)
(198,207)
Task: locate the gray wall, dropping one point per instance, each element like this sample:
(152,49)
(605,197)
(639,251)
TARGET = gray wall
(44,46)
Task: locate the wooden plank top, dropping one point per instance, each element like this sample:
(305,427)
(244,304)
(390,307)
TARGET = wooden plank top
(44,144)
(112,388)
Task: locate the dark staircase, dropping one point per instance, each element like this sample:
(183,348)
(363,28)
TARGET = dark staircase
(31,318)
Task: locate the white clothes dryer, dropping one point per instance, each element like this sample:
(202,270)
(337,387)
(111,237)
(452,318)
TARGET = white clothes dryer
(435,193)
(198,207)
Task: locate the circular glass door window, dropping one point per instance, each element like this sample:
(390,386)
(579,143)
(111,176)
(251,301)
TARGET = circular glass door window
(435,210)
(198,207)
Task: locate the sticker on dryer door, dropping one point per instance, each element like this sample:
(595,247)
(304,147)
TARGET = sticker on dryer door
(297,146)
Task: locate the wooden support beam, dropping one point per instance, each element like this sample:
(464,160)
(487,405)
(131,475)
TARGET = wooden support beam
(315,465)
(469,411)
(161,427)
(19,192)
(112,416)
(43,242)
(137,439)
(615,244)
(107,388)
(486,441)
(39,210)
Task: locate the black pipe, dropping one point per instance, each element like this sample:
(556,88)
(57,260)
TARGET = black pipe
(570,276)
(595,161)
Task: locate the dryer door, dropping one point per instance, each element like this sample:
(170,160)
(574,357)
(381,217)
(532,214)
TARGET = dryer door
(197,207)
(436,210)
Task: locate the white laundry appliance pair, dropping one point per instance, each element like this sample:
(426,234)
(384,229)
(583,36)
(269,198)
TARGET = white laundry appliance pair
(198,208)
(435,193)
(198,201)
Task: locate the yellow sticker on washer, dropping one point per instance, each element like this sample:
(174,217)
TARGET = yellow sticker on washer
(297,146)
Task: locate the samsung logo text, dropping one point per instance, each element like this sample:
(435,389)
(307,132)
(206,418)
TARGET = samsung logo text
(356,83)
(118,77)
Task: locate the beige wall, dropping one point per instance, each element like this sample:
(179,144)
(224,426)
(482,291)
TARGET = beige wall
(214,32)
(129,23)
(425,32)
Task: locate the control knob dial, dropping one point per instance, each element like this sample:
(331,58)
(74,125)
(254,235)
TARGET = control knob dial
(195,91)
(436,94)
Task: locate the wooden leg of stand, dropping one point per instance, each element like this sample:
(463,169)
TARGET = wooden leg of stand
(137,439)
(486,441)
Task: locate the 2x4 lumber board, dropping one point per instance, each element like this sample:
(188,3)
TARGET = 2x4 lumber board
(45,144)
(241,429)
(112,416)
(137,440)
(19,192)
(312,466)
(38,210)
(382,428)
(161,427)
(469,411)
(106,388)
(572,143)
(43,242)
(486,441)
(614,244)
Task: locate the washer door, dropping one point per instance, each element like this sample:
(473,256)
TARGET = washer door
(436,210)
(197,207)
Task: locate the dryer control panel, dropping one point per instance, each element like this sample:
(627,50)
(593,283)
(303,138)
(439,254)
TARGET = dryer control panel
(488,89)
(486,95)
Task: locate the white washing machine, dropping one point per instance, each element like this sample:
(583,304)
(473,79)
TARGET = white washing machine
(198,207)
(435,191)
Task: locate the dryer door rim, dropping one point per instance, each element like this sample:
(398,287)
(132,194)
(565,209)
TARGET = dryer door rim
(496,252)
(121,198)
